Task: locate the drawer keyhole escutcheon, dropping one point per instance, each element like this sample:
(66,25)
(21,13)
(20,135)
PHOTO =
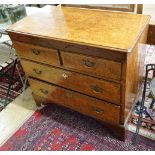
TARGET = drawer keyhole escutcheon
(44,91)
(97,89)
(88,63)
(35,51)
(37,71)
(99,111)
(64,75)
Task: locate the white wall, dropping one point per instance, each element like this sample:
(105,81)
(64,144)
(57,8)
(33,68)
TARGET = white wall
(149,9)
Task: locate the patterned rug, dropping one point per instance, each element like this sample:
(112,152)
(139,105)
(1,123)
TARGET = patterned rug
(56,128)
(16,87)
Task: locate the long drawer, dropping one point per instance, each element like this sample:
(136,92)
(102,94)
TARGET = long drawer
(101,89)
(89,106)
(92,65)
(37,53)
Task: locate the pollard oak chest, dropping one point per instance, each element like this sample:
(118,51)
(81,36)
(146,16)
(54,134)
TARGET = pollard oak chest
(85,60)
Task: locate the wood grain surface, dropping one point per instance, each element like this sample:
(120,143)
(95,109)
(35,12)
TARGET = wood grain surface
(97,27)
(92,65)
(101,89)
(101,110)
(37,53)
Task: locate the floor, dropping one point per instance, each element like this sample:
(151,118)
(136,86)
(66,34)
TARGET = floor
(15,114)
(149,9)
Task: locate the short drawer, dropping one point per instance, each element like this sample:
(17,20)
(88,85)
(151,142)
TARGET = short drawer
(37,53)
(92,65)
(86,105)
(101,89)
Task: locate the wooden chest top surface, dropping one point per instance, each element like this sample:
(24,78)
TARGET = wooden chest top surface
(107,29)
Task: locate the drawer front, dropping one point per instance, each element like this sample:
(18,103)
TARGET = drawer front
(92,65)
(89,106)
(85,84)
(37,53)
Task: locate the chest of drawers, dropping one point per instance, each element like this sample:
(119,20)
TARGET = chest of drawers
(85,60)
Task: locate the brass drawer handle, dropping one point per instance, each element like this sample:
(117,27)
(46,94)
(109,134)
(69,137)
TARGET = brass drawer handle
(97,89)
(64,75)
(37,71)
(99,111)
(35,51)
(88,63)
(44,91)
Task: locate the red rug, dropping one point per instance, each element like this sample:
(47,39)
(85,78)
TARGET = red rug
(56,128)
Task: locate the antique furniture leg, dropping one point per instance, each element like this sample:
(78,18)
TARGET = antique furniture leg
(118,132)
(37,99)
(40,102)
